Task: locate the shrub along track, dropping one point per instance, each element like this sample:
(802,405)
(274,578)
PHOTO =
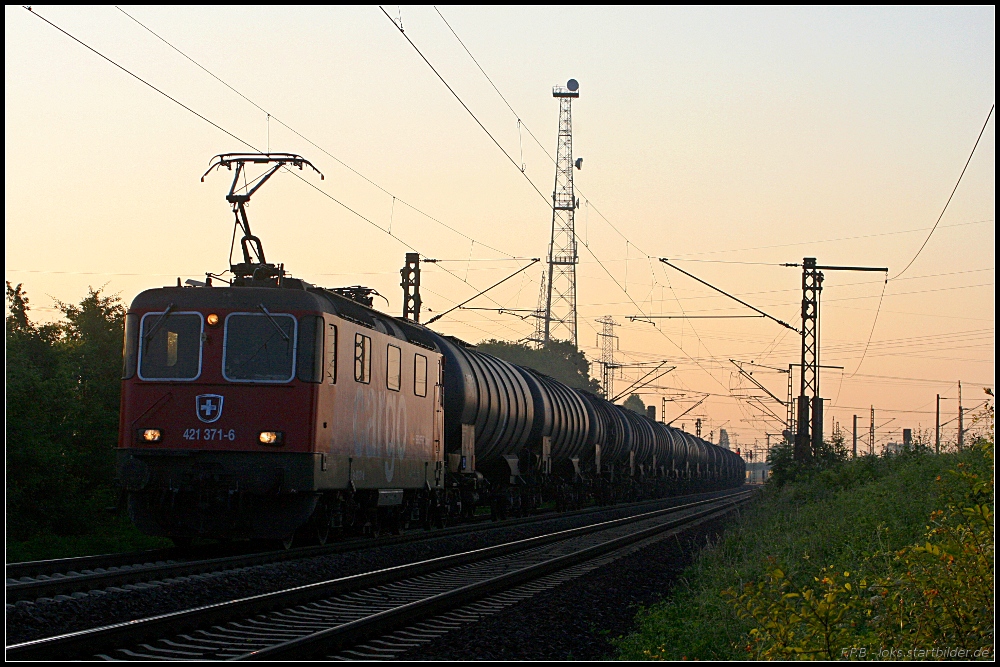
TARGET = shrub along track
(335,615)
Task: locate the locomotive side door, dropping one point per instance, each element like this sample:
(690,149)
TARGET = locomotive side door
(439,425)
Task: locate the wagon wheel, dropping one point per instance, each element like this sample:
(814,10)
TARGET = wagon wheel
(375,524)
(426,505)
(323,533)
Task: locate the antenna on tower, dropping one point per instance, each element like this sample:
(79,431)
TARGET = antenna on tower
(557,297)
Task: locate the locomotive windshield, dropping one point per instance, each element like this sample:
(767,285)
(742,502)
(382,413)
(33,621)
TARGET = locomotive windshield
(170,346)
(259,347)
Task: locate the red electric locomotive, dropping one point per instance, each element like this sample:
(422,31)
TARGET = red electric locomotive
(254,409)
(270,407)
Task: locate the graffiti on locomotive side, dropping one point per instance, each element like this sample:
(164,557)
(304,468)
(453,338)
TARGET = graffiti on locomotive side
(380,427)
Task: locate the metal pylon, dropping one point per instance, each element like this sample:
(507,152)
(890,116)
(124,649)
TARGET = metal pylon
(608,342)
(557,300)
(812,287)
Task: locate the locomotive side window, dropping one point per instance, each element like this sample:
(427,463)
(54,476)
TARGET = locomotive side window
(393,368)
(419,375)
(259,347)
(331,353)
(169,346)
(310,351)
(130,352)
(362,358)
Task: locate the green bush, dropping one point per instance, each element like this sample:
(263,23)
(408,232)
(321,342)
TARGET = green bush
(63,388)
(849,517)
(931,596)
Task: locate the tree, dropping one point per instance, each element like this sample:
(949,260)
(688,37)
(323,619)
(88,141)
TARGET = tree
(559,360)
(635,404)
(92,337)
(63,384)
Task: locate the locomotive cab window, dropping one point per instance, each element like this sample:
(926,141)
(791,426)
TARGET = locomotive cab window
(169,346)
(331,353)
(130,352)
(310,350)
(362,358)
(259,347)
(393,368)
(419,375)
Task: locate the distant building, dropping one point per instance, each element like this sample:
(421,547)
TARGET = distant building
(757,473)
(723,438)
(894,448)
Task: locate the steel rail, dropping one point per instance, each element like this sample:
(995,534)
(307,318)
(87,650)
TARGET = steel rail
(342,636)
(93,641)
(35,568)
(64,576)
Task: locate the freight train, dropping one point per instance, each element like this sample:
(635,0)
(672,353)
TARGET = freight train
(264,407)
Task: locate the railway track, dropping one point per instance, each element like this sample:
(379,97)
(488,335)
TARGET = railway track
(336,617)
(71,577)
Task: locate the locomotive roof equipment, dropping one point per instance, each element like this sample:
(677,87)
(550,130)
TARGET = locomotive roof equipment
(259,270)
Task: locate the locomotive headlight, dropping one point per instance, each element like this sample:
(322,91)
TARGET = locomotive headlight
(212,319)
(272,437)
(151,434)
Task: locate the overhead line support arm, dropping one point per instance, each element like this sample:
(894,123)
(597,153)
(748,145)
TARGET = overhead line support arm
(759,385)
(688,410)
(723,292)
(479,294)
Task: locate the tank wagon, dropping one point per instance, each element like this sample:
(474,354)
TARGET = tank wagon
(514,435)
(265,407)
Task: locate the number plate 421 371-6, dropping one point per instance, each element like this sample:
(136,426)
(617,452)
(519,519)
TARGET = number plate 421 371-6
(210,434)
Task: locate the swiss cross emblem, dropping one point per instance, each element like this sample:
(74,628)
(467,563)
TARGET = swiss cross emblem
(208,407)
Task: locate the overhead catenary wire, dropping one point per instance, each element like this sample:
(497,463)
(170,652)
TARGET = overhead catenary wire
(640,309)
(237,138)
(204,118)
(723,292)
(825,301)
(586,245)
(465,106)
(953,190)
(602,266)
(590,204)
(523,173)
(481,292)
(871,333)
(139,78)
(271,116)
(926,240)
(688,256)
(521,123)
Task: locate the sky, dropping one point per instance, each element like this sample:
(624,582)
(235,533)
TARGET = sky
(729,140)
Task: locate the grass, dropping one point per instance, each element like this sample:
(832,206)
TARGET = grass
(117,534)
(835,517)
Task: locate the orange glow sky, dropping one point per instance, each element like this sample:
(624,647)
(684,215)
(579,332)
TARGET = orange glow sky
(730,139)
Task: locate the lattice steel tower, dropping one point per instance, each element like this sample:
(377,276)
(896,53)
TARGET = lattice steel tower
(557,301)
(812,287)
(608,342)
(809,409)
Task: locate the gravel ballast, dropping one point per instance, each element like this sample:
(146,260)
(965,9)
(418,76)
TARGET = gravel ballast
(578,619)
(43,618)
